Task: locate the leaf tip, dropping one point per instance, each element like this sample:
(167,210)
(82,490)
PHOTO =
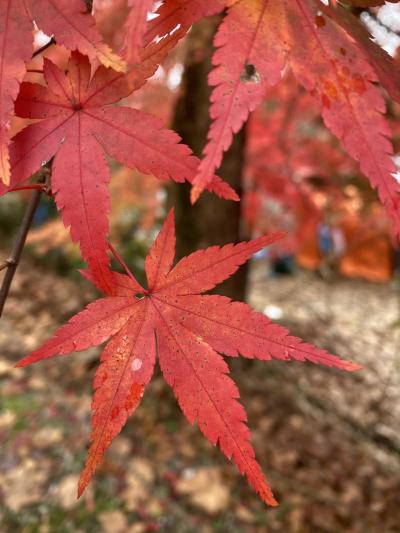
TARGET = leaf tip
(81,489)
(272,502)
(83,483)
(276,236)
(195,194)
(349,366)
(267,496)
(5,172)
(23,362)
(171,214)
(111,60)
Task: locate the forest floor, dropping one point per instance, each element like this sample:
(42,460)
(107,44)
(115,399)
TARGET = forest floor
(328,441)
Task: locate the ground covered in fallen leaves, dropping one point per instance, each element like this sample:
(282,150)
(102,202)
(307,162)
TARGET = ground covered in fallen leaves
(327,441)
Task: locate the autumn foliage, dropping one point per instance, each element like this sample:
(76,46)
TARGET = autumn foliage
(78,117)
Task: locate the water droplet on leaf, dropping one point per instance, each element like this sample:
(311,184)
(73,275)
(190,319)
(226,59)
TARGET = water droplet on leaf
(136,364)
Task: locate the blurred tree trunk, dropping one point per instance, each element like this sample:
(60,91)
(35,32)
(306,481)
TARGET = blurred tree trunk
(211,220)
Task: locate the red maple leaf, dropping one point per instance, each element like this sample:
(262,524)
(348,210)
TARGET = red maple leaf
(71,25)
(331,55)
(186,330)
(180,12)
(135,28)
(79,127)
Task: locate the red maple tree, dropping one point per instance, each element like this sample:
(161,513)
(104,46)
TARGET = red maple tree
(79,119)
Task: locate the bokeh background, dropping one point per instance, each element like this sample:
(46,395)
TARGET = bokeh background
(328,441)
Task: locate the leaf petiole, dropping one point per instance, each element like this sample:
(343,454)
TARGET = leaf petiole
(36,187)
(121,261)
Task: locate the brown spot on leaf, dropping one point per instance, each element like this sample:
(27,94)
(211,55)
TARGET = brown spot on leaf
(250,74)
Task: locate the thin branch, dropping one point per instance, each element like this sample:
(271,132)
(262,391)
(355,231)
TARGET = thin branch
(11,264)
(13,260)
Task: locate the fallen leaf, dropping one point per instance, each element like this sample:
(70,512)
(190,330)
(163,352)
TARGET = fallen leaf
(113,522)
(206,489)
(139,480)
(65,492)
(46,437)
(23,485)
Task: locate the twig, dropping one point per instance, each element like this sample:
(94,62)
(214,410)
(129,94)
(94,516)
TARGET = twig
(12,262)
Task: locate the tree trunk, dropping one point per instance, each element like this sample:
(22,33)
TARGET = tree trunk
(211,221)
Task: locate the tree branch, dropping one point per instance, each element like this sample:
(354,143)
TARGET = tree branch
(11,264)
(42,186)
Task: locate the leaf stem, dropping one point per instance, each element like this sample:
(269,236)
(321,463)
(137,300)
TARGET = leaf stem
(121,261)
(35,187)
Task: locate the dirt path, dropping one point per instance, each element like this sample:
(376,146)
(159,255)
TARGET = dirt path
(329,442)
